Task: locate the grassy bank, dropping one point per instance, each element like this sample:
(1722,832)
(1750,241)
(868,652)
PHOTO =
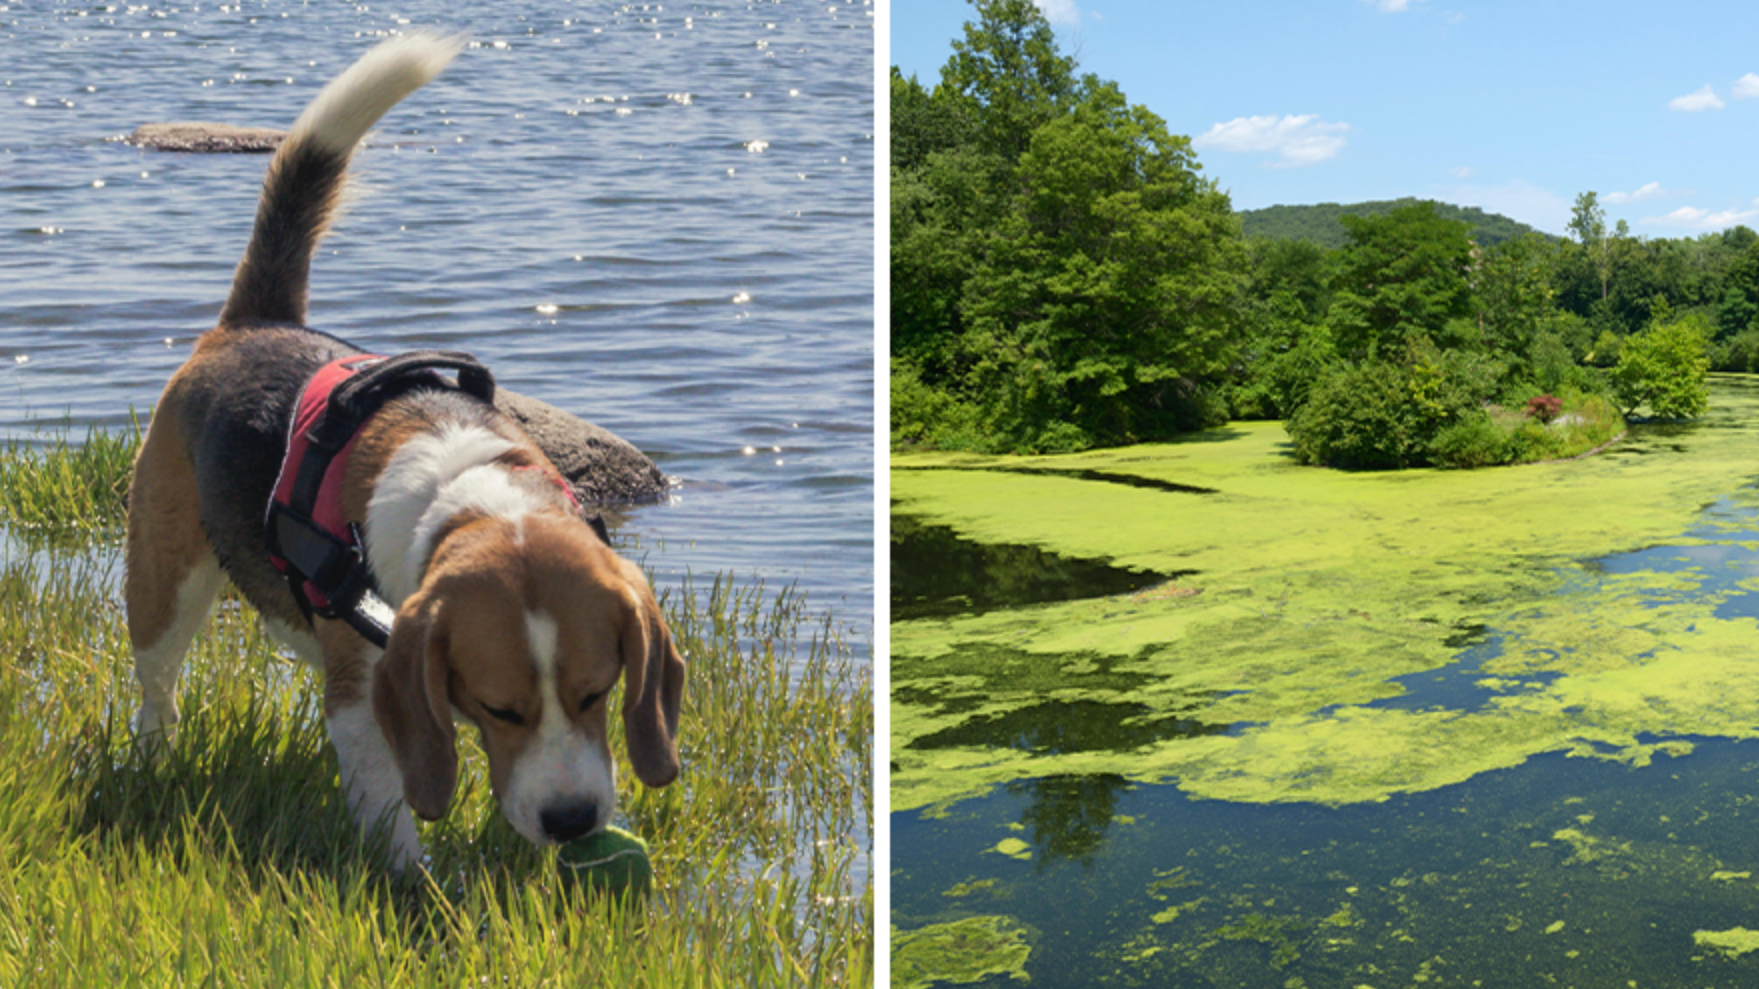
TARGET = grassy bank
(1303,595)
(233,862)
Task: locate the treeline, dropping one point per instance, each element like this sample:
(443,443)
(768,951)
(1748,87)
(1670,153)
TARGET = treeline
(1322,223)
(1064,277)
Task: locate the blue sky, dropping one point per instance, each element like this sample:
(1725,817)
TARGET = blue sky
(1515,107)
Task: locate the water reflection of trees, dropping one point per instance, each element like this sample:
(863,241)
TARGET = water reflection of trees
(1067,816)
(936,574)
(1057,727)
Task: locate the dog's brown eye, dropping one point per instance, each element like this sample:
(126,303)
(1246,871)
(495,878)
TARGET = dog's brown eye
(590,699)
(511,717)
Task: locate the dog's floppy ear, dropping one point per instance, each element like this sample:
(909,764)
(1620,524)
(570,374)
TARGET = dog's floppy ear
(653,685)
(413,709)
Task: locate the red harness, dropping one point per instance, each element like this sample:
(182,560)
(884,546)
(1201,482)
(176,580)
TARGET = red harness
(325,504)
(310,540)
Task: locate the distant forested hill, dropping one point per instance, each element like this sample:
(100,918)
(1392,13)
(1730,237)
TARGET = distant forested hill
(1319,223)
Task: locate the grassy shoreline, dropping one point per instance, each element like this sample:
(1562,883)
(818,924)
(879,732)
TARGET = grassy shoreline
(233,861)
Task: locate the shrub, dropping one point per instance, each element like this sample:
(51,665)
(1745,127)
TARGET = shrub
(1532,442)
(1363,418)
(1292,374)
(1664,368)
(1738,353)
(1058,437)
(1545,408)
(1605,352)
(928,416)
(1474,441)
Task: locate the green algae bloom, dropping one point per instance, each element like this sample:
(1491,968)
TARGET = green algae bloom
(1013,848)
(964,951)
(1274,932)
(1367,659)
(1319,600)
(968,888)
(1733,943)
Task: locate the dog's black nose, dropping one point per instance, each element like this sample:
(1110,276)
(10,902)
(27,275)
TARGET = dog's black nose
(569,821)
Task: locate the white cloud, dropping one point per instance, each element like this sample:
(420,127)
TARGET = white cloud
(1059,11)
(1390,6)
(1692,218)
(1649,190)
(1702,99)
(1747,87)
(1300,140)
(1463,172)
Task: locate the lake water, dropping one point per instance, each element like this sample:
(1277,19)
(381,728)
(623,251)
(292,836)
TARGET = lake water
(1553,785)
(576,201)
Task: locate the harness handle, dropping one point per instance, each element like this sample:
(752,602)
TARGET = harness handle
(364,391)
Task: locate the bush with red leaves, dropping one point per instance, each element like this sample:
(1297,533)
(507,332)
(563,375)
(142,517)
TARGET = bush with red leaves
(1544,408)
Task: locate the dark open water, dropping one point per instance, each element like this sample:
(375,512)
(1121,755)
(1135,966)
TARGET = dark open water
(573,201)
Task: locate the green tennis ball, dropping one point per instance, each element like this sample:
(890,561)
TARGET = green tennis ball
(608,861)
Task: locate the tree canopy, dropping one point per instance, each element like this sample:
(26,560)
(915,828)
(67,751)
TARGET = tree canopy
(1064,276)
(1061,272)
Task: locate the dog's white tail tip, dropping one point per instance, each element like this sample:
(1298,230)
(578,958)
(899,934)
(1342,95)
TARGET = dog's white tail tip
(354,101)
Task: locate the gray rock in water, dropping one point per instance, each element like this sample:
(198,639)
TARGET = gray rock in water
(206,137)
(604,468)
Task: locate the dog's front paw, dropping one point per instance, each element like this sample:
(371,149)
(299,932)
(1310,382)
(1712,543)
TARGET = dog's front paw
(155,728)
(405,850)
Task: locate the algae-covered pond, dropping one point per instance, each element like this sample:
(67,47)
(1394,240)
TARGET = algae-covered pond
(1253,724)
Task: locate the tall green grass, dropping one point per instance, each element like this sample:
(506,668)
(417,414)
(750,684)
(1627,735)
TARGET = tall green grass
(57,485)
(231,860)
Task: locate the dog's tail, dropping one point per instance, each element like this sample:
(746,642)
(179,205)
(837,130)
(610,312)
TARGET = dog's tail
(304,185)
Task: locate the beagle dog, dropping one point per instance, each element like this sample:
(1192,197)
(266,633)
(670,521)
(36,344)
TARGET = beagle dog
(511,613)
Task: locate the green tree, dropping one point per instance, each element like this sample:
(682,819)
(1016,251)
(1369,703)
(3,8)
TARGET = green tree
(1735,313)
(1513,289)
(1665,367)
(1588,223)
(924,123)
(941,214)
(1009,74)
(945,196)
(1107,298)
(1403,276)
(1296,269)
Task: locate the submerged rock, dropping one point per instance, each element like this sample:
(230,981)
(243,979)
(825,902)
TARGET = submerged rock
(604,468)
(203,137)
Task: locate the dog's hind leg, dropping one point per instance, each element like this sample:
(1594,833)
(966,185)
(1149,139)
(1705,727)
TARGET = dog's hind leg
(172,576)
